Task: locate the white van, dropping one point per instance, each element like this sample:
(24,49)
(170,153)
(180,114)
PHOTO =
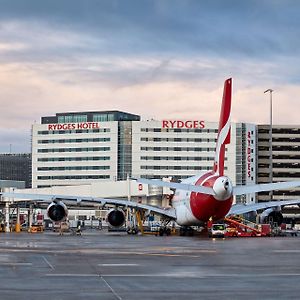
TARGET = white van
(218,230)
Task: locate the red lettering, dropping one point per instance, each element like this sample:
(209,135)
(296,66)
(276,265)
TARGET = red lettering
(183,124)
(165,124)
(65,126)
(172,123)
(188,124)
(88,125)
(249,154)
(180,124)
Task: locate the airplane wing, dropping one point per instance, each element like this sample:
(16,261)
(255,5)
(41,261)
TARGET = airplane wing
(238,209)
(237,190)
(264,187)
(180,186)
(83,200)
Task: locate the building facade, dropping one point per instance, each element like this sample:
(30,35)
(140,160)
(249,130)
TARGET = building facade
(183,148)
(77,148)
(85,147)
(16,167)
(285,159)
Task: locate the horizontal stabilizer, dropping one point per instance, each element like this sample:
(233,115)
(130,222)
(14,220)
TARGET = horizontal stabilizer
(239,209)
(264,187)
(179,186)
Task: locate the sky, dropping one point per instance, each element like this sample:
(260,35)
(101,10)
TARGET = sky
(161,59)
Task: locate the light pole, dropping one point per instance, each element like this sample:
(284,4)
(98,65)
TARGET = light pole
(270,134)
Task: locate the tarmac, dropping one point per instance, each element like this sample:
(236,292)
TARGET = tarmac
(102,265)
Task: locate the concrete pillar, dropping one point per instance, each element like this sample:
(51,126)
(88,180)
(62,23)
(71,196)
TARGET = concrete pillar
(7,229)
(30,216)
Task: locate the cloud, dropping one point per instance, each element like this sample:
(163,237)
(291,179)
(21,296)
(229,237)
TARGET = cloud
(14,140)
(232,28)
(161,59)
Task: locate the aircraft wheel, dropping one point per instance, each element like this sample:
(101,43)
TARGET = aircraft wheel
(190,232)
(182,231)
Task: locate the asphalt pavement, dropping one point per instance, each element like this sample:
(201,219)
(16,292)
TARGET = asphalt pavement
(102,265)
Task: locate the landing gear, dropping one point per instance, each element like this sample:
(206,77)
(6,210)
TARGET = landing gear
(186,230)
(132,230)
(132,223)
(164,231)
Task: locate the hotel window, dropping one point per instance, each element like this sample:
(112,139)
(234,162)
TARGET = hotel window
(61,119)
(72,119)
(79,118)
(103,117)
(68,119)
(100,118)
(110,117)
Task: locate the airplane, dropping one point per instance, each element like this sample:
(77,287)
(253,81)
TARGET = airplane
(198,199)
(209,196)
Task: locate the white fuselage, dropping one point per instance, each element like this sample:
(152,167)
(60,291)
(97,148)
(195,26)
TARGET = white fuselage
(181,203)
(195,208)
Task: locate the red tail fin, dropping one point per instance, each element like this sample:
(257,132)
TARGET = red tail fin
(224,128)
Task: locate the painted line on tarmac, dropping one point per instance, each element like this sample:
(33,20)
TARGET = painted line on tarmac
(192,275)
(180,275)
(72,275)
(15,264)
(287,251)
(88,275)
(48,263)
(118,265)
(167,255)
(112,290)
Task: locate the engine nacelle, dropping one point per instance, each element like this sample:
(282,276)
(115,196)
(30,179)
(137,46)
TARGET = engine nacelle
(57,211)
(272,215)
(116,217)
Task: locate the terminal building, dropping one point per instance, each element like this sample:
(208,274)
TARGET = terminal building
(88,147)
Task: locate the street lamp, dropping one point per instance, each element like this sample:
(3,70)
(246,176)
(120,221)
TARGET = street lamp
(270,133)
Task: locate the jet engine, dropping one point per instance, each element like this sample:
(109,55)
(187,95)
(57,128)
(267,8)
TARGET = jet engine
(272,215)
(57,211)
(116,217)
